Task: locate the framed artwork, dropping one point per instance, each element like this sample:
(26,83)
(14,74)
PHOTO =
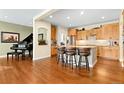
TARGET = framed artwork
(10,37)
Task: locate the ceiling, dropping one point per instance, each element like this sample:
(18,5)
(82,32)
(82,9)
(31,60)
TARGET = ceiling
(19,16)
(82,17)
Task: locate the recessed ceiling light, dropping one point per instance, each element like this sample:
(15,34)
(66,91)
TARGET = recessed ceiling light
(50,16)
(82,12)
(102,17)
(68,17)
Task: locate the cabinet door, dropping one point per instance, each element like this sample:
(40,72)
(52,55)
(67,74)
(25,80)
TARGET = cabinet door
(110,31)
(84,35)
(81,35)
(72,32)
(115,31)
(53,32)
(115,52)
(107,31)
(109,52)
(98,33)
(100,51)
(89,32)
(53,51)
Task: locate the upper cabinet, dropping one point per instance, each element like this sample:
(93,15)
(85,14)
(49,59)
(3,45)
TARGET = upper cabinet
(98,31)
(110,31)
(92,32)
(84,35)
(81,35)
(115,31)
(53,32)
(72,32)
(53,40)
(106,32)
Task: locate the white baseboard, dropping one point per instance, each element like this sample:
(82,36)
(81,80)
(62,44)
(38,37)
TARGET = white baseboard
(2,56)
(121,60)
(38,58)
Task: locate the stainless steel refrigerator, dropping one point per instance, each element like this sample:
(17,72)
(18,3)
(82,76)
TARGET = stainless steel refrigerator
(71,40)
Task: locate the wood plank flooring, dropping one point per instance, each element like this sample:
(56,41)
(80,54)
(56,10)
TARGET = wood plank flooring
(47,71)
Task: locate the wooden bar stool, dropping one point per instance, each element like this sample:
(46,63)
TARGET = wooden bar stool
(84,52)
(70,53)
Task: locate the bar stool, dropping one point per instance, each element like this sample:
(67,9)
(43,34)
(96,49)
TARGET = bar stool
(60,54)
(84,52)
(70,53)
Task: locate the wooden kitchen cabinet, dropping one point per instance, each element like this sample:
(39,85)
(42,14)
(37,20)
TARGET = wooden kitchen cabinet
(115,52)
(93,32)
(81,35)
(98,31)
(110,31)
(53,32)
(109,52)
(115,31)
(106,32)
(84,35)
(72,32)
(88,33)
(53,39)
(53,50)
(78,35)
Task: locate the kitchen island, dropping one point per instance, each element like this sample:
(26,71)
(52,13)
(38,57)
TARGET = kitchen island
(92,58)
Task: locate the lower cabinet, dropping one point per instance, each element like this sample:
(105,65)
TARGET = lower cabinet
(53,51)
(109,52)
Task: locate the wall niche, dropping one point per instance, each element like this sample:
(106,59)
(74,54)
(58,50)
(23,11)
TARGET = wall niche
(42,36)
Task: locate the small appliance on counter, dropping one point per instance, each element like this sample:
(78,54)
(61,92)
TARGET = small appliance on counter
(113,43)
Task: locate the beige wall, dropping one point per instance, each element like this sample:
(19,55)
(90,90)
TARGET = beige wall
(9,27)
(41,51)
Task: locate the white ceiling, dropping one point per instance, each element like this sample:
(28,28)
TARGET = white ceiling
(19,16)
(89,17)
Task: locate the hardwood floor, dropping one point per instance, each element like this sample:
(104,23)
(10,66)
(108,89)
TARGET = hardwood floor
(48,71)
